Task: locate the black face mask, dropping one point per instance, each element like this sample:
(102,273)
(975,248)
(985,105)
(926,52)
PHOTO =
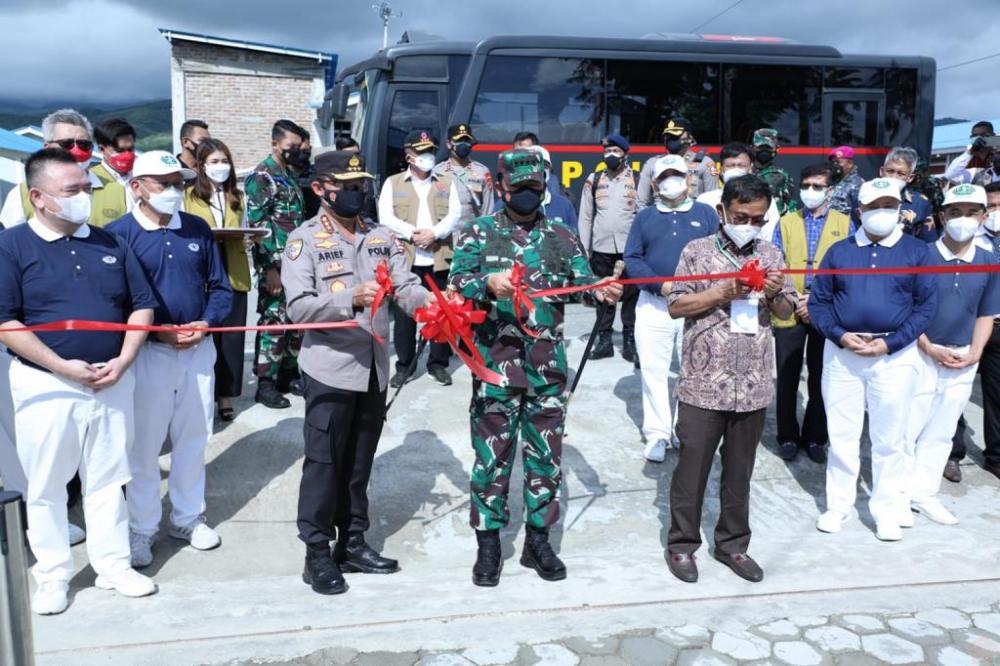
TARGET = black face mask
(674,146)
(348,202)
(836,172)
(612,162)
(525,201)
(763,155)
(463,149)
(297,159)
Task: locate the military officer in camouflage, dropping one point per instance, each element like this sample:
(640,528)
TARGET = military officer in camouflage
(765,149)
(274,202)
(474,178)
(530,401)
(329,275)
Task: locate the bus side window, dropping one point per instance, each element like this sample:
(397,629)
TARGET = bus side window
(411,109)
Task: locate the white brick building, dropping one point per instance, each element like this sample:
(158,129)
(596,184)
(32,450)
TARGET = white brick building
(240,88)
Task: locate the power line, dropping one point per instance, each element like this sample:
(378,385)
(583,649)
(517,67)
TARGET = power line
(704,23)
(968,62)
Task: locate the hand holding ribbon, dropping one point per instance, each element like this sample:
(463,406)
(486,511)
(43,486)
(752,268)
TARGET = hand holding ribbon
(521,300)
(753,275)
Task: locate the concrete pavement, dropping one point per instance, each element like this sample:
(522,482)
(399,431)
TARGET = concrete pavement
(246,601)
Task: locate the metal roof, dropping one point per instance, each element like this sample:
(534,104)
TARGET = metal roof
(954,137)
(15,143)
(319,56)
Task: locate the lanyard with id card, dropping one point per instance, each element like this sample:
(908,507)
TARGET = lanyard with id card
(744,313)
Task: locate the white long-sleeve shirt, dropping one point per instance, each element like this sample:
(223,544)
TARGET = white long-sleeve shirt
(442,230)
(958,172)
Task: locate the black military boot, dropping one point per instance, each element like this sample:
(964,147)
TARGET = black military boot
(628,347)
(321,572)
(603,348)
(269,396)
(489,561)
(538,555)
(290,382)
(353,555)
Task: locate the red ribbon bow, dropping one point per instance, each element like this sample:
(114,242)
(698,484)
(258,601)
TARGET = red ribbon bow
(753,275)
(521,300)
(450,319)
(385,288)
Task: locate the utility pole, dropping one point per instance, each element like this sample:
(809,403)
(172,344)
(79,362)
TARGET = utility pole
(385,12)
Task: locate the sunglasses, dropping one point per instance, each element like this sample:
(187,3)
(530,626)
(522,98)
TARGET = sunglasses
(85,145)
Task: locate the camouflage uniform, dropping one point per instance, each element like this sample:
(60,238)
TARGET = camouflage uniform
(531,400)
(778,180)
(846,192)
(274,202)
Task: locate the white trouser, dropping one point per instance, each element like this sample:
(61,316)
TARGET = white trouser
(173,396)
(63,427)
(941,396)
(657,335)
(11,474)
(884,384)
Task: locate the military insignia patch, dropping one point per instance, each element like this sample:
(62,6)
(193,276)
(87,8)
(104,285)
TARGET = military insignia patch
(327,244)
(293,249)
(336,286)
(320,235)
(376,241)
(334,267)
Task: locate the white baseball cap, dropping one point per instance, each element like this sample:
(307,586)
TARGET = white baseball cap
(965,194)
(159,163)
(674,162)
(878,188)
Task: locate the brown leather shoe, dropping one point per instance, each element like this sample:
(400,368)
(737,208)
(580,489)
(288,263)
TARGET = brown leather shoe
(683,566)
(742,565)
(952,471)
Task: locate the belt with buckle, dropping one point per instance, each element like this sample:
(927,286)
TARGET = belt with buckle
(868,337)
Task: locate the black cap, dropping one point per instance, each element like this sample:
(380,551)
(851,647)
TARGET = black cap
(460,132)
(340,165)
(420,140)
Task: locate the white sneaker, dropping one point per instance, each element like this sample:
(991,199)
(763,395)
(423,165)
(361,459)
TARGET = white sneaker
(831,522)
(50,598)
(76,534)
(888,530)
(198,534)
(905,517)
(129,583)
(141,546)
(934,510)
(656,451)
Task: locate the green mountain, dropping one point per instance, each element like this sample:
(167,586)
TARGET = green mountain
(151,120)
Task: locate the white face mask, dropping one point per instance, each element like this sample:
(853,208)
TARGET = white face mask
(880,222)
(424,162)
(218,173)
(733,173)
(74,209)
(993,221)
(673,187)
(961,229)
(166,202)
(741,234)
(813,199)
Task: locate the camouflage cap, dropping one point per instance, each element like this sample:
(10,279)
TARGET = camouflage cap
(521,165)
(766,137)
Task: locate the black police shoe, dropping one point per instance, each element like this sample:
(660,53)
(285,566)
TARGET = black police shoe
(538,555)
(321,572)
(353,555)
(440,375)
(489,561)
(816,452)
(628,348)
(269,396)
(398,379)
(297,387)
(788,451)
(603,348)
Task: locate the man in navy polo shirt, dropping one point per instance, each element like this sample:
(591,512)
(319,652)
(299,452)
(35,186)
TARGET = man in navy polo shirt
(951,348)
(653,248)
(72,390)
(175,378)
(871,324)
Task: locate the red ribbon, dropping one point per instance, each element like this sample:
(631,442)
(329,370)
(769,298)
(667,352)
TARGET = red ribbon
(450,319)
(521,300)
(385,288)
(755,275)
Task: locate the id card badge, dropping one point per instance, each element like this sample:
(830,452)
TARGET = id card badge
(744,316)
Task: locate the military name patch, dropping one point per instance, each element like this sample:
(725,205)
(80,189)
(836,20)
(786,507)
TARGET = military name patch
(293,249)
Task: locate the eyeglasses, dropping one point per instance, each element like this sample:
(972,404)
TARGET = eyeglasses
(85,145)
(746,219)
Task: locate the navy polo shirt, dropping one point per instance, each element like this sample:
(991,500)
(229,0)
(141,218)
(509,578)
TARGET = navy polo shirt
(962,297)
(656,239)
(183,265)
(902,304)
(89,275)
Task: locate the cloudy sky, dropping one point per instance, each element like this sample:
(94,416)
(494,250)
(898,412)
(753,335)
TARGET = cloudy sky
(109,51)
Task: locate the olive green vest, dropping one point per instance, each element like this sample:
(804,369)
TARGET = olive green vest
(106,206)
(793,238)
(406,206)
(234,252)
